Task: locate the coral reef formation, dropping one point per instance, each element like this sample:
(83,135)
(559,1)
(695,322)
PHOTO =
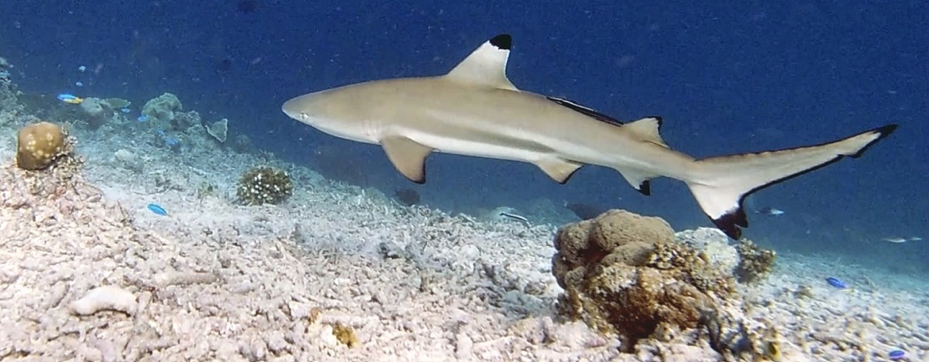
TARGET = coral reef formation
(624,274)
(39,145)
(163,108)
(264,185)
(9,106)
(755,263)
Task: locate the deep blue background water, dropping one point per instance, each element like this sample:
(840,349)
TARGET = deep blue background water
(733,77)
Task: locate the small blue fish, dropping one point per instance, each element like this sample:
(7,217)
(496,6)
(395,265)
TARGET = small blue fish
(143,118)
(157,209)
(125,110)
(770,211)
(69,98)
(836,282)
(896,355)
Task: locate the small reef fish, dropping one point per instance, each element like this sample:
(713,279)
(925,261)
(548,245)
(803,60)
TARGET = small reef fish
(836,283)
(142,118)
(770,211)
(125,110)
(69,98)
(157,209)
(519,218)
(896,355)
(895,240)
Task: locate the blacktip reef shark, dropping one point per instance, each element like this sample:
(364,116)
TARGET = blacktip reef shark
(474,110)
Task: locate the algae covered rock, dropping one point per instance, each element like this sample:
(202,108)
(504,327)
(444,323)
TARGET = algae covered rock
(755,263)
(39,145)
(264,185)
(624,274)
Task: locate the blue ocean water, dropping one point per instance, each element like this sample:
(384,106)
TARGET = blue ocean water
(727,78)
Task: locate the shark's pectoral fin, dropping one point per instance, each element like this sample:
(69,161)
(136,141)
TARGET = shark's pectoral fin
(638,180)
(486,66)
(408,156)
(558,169)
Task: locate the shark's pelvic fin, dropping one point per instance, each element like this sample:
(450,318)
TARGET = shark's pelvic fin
(558,169)
(486,66)
(720,184)
(408,156)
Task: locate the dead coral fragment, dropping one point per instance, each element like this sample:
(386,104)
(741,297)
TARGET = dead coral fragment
(39,145)
(345,334)
(755,262)
(264,185)
(105,298)
(623,274)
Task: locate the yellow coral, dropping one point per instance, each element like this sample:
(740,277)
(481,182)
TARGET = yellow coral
(39,145)
(345,334)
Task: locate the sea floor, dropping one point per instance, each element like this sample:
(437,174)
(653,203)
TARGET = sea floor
(215,280)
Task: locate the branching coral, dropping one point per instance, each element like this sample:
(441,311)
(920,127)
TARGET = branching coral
(264,185)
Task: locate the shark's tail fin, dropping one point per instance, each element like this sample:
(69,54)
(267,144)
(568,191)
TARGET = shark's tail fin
(721,183)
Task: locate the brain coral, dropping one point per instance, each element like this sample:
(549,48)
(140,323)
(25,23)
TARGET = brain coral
(38,145)
(624,274)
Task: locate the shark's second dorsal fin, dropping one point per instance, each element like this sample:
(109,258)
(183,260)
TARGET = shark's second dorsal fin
(486,66)
(646,129)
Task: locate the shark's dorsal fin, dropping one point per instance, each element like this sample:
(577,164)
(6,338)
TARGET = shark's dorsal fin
(486,66)
(408,156)
(647,130)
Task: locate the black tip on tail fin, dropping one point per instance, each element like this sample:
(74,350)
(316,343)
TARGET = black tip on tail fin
(882,132)
(502,41)
(730,222)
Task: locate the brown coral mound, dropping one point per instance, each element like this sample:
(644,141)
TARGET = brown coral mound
(38,145)
(623,274)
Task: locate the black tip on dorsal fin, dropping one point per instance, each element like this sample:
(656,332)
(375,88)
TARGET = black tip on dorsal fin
(502,41)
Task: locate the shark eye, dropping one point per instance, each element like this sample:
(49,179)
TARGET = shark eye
(304,116)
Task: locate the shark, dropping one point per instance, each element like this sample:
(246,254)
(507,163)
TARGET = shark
(474,110)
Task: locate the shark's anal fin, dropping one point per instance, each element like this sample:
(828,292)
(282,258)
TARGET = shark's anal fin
(486,66)
(558,169)
(407,156)
(637,180)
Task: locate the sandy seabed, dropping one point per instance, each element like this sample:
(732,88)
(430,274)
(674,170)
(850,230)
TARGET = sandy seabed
(87,272)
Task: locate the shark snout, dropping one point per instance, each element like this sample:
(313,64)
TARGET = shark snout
(291,109)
